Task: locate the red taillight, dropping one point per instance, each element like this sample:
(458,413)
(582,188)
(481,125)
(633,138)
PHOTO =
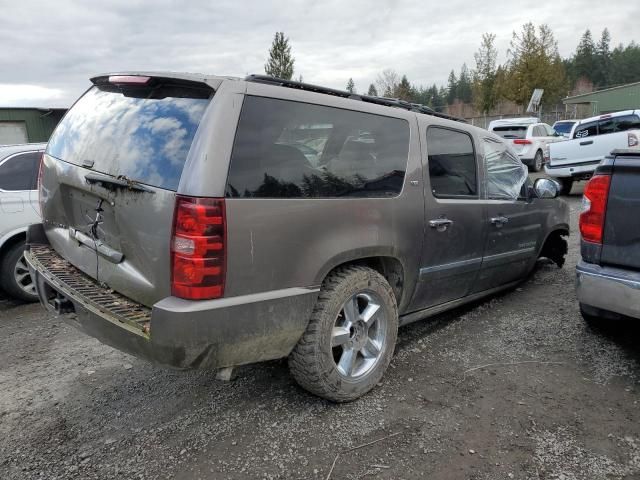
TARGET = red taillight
(522,141)
(128,80)
(40,188)
(594,207)
(198,248)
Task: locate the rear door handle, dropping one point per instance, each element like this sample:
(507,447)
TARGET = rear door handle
(588,142)
(499,221)
(440,224)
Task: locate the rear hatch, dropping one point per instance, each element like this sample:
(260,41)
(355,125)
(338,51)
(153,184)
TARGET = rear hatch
(621,240)
(109,178)
(516,134)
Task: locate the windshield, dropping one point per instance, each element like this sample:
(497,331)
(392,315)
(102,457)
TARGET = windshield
(511,131)
(142,134)
(564,127)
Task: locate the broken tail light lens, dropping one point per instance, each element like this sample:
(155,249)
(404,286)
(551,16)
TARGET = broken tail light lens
(594,207)
(198,248)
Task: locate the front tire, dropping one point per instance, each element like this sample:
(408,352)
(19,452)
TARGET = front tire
(350,338)
(15,277)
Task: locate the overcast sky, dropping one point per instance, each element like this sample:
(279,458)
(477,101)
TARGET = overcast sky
(49,49)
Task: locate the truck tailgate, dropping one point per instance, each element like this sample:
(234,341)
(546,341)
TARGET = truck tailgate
(621,241)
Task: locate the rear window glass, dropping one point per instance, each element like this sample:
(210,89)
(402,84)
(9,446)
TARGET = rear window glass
(618,124)
(511,131)
(286,149)
(142,134)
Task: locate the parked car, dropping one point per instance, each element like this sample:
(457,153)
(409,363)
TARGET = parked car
(18,209)
(190,233)
(608,275)
(592,139)
(529,137)
(564,127)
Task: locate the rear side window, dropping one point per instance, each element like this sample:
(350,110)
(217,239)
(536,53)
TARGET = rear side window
(20,172)
(586,130)
(143,134)
(286,149)
(452,163)
(618,124)
(511,131)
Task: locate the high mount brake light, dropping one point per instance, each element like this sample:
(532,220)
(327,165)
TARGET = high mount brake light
(128,80)
(594,207)
(198,248)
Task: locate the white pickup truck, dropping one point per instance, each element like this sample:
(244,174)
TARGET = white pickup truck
(591,140)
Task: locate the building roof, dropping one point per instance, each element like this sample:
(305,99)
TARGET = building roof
(582,98)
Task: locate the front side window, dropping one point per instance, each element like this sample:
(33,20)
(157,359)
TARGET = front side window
(452,163)
(563,127)
(286,149)
(586,130)
(505,172)
(20,172)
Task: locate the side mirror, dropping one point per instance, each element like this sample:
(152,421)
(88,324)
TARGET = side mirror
(546,188)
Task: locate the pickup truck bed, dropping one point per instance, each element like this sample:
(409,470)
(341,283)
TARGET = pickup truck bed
(608,276)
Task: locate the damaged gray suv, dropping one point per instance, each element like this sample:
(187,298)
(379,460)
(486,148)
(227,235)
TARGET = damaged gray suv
(211,222)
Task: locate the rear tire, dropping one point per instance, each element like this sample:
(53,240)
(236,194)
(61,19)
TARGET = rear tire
(566,184)
(15,277)
(538,161)
(350,338)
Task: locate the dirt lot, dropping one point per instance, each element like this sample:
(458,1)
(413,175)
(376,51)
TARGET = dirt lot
(516,387)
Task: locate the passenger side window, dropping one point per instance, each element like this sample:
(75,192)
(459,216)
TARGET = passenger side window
(586,130)
(20,172)
(452,163)
(628,122)
(506,174)
(537,131)
(286,149)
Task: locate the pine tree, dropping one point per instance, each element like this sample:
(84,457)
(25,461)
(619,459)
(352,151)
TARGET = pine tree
(372,90)
(584,60)
(603,60)
(280,62)
(464,85)
(351,86)
(452,88)
(403,92)
(484,76)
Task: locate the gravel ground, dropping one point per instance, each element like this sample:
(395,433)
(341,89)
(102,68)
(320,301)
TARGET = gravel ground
(515,387)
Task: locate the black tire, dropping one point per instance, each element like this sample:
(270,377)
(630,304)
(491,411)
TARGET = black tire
(566,184)
(313,361)
(14,258)
(538,162)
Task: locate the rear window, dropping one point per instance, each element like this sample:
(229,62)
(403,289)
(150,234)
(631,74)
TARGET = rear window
(141,134)
(286,149)
(511,131)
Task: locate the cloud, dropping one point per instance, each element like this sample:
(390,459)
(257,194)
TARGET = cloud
(58,45)
(12,95)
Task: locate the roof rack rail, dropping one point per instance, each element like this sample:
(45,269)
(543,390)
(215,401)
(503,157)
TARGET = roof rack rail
(385,101)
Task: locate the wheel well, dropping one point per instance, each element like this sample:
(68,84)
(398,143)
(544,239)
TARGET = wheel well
(555,247)
(6,246)
(389,267)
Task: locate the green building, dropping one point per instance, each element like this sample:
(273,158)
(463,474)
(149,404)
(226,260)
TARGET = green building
(624,97)
(28,125)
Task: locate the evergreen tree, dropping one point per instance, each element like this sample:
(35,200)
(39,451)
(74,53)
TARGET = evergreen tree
(372,90)
(452,88)
(464,89)
(484,76)
(603,60)
(351,86)
(280,62)
(584,61)
(404,90)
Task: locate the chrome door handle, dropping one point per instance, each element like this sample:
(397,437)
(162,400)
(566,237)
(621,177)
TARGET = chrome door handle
(440,224)
(499,221)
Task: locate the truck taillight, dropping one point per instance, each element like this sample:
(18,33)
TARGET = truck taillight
(632,140)
(522,141)
(198,248)
(594,207)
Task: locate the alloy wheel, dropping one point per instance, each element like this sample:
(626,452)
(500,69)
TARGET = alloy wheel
(23,277)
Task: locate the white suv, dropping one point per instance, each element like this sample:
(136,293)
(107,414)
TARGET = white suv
(529,138)
(19,208)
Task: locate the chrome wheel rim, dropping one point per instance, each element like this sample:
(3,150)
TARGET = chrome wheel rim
(23,278)
(359,334)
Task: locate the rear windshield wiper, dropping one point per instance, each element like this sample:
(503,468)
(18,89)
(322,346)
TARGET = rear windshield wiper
(119,182)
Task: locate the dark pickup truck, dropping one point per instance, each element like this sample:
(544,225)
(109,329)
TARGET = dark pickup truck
(608,276)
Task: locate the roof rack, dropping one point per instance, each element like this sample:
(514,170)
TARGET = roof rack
(385,101)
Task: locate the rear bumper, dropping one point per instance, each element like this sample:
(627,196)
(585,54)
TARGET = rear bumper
(578,171)
(177,332)
(609,288)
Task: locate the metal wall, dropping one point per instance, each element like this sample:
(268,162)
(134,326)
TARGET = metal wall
(39,122)
(611,100)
